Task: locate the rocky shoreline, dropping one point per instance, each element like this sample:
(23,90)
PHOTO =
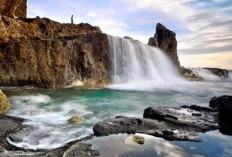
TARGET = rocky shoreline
(170,123)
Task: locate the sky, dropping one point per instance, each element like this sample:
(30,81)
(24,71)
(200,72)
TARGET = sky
(203,27)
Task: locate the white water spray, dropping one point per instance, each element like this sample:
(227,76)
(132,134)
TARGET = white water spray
(136,65)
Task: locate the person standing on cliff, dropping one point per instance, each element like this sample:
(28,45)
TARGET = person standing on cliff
(72,19)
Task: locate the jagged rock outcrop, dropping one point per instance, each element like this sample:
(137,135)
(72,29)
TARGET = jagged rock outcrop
(189,74)
(43,53)
(171,123)
(4,103)
(14,8)
(222,73)
(166,41)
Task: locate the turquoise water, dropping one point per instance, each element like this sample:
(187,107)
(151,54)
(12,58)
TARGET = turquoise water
(49,110)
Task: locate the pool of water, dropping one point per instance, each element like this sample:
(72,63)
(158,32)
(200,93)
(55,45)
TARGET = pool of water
(49,110)
(214,145)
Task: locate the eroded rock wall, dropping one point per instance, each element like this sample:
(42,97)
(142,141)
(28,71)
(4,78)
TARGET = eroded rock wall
(14,8)
(43,53)
(54,63)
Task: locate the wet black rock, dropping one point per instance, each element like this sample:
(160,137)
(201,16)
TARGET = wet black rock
(222,101)
(156,114)
(131,125)
(76,148)
(195,117)
(224,106)
(8,125)
(171,123)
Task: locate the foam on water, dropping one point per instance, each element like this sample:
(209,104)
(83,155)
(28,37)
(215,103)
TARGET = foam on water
(135,66)
(49,121)
(206,74)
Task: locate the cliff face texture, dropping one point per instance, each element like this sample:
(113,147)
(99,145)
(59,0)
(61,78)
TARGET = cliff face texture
(166,41)
(14,8)
(46,54)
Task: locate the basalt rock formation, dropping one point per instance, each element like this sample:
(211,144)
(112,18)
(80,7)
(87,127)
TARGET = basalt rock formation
(14,8)
(166,41)
(43,53)
(171,123)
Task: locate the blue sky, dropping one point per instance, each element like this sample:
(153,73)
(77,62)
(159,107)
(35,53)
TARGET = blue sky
(203,27)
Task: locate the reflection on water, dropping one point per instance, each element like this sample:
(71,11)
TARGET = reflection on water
(215,145)
(49,110)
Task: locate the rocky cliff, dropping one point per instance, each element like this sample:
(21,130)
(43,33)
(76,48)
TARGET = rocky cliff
(166,41)
(14,8)
(43,53)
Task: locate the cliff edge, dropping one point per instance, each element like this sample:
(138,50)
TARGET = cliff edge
(42,53)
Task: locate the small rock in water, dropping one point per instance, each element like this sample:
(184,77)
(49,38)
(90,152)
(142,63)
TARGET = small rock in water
(76,119)
(4,103)
(138,139)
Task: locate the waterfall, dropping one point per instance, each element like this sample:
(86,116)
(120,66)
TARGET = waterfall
(134,64)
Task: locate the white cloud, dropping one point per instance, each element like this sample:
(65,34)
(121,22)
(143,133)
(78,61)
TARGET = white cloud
(220,1)
(176,8)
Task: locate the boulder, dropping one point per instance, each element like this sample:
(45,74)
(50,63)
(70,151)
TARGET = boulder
(4,103)
(166,41)
(222,103)
(157,114)
(14,8)
(224,106)
(76,119)
(193,116)
(138,139)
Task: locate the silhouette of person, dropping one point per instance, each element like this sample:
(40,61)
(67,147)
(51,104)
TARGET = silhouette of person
(72,19)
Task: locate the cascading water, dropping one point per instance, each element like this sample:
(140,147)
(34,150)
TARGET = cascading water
(138,65)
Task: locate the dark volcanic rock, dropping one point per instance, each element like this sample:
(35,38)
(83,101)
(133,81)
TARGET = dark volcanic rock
(75,149)
(222,73)
(8,126)
(166,41)
(133,125)
(195,117)
(14,8)
(224,106)
(157,114)
(171,123)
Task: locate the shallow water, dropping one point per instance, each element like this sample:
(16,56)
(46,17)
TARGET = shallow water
(49,110)
(215,145)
